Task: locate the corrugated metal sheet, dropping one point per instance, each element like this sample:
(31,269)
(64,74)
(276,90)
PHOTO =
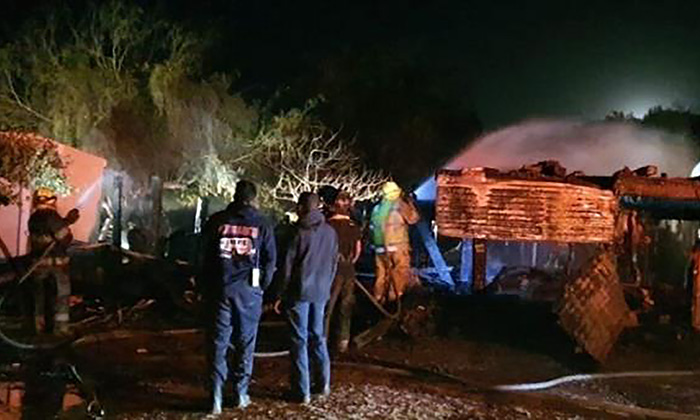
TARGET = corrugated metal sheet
(482,203)
(592,308)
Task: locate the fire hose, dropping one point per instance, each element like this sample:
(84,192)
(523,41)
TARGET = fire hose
(94,408)
(387,314)
(12,342)
(543,385)
(379,305)
(48,346)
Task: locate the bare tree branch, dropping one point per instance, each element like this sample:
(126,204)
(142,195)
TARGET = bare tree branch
(309,162)
(18,100)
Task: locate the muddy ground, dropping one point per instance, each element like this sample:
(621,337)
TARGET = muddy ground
(442,368)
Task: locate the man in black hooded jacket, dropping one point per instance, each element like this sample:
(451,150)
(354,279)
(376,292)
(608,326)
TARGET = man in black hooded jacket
(309,270)
(240,257)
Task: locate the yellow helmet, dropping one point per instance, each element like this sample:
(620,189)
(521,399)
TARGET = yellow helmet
(391,191)
(44,197)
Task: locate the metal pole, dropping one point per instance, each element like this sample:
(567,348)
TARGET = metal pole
(19,221)
(467,259)
(201,213)
(117,223)
(479,265)
(157,207)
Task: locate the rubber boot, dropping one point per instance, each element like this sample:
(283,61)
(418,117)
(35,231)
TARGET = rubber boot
(216,400)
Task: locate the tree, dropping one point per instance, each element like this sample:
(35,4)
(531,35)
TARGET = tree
(28,161)
(298,154)
(126,85)
(682,122)
(64,75)
(679,121)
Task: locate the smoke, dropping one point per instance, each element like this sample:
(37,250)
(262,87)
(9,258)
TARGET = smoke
(599,148)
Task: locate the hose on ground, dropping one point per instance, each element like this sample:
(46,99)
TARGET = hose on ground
(543,385)
(29,346)
(379,305)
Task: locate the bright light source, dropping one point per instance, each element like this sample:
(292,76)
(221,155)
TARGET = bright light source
(696,171)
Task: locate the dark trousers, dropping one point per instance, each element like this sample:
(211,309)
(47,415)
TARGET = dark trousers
(236,316)
(50,287)
(308,351)
(339,308)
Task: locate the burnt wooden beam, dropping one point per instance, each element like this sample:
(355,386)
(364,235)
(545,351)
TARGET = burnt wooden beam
(661,187)
(479,265)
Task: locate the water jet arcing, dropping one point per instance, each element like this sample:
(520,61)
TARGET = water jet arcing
(596,148)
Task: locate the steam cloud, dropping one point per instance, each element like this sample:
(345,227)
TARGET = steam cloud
(599,148)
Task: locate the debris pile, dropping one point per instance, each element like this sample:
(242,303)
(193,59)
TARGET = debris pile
(593,308)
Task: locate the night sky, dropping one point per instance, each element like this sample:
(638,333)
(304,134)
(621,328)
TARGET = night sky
(470,66)
(517,59)
(512,60)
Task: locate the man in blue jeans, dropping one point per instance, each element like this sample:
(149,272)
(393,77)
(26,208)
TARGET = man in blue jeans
(309,270)
(239,263)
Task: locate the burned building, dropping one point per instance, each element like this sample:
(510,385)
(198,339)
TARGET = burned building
(614,217)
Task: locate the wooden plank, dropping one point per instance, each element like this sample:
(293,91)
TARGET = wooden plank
(676,188)
(479,265)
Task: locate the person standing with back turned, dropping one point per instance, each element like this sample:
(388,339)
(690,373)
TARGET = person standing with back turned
(309,269)
(240,257)
(343,289)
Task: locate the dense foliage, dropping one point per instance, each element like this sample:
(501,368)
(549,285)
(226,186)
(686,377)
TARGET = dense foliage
(28,161)
(127,85)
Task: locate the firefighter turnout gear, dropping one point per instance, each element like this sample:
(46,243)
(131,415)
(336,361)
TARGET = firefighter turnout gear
(49,239)
(389,224)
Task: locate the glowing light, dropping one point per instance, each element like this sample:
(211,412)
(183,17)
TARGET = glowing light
(696,171)
(639,108)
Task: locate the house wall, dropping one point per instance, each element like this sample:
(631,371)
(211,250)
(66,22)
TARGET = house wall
(474,203)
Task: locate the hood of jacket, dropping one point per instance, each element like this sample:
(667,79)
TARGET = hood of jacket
(312,220)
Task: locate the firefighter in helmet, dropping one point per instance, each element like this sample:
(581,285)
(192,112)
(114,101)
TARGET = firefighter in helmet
(389,224)
(49,238)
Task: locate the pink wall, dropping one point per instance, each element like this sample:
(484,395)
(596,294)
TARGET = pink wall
(13,225)
(84,174)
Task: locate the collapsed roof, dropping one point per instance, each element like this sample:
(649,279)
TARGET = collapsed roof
(542,202)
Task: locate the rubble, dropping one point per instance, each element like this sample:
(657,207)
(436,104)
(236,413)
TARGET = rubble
(543,203)
(592,308)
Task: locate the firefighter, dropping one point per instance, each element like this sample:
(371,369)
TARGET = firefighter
(240,257)
(50,283)
(389,224)
(343,288)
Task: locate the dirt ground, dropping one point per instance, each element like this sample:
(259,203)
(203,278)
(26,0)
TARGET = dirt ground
(446,372)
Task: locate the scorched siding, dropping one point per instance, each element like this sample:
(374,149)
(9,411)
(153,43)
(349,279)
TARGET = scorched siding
(477,204)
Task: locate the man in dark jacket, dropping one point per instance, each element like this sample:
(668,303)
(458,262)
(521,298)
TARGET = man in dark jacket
(239,244)
(309,269)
